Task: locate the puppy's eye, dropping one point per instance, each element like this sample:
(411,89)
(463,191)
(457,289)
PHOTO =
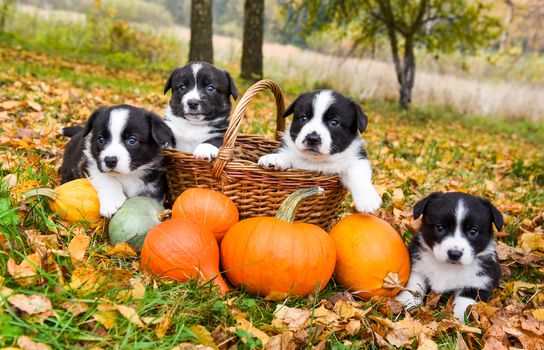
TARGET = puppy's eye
(132,141)
(182,87)
(303,118)
(439,228)
(473,232)
(334,123)
(210,89)
(100,140)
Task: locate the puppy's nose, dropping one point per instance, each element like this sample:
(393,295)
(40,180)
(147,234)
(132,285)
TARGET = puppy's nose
(455,254)
(111,162)
(312,139)
(192,104)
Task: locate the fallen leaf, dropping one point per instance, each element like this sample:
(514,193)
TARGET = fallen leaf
(26,343)
(245,325)
(203,336)
(353,327)
(283,341)
(122,250)
(292,317)
(25,274)
(106,315)
(163,327)
(9,105)
(460,344)
(87,280)
(78,246)
(75,308)
(34,105)
(325,316)
(31,304)
(538,314)
(346,310)
(426,343)
(130,314)
(531,241)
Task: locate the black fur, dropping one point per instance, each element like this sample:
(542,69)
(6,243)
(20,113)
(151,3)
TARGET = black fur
(347,113)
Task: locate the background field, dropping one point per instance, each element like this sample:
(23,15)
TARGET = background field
(477,130)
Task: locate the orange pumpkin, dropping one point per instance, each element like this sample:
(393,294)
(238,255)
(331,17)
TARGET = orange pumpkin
(211,208)
(274,257)
(371,257)
(181,249)
(73,201)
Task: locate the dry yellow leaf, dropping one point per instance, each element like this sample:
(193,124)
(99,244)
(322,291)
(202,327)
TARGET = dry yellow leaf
(163,326)
(293,317)
(25,274)
(130,314)
(78,246)
(26,343)
(538,314)
(247,326)
(325,316)
(31,304)
(106,315)
(122,250)
(203,336)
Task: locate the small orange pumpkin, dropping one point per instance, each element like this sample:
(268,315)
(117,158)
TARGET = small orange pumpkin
(211,208)
(371,257)
(73,201)
(181,249)
(274,257)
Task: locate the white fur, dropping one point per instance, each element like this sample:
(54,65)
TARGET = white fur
(417,290)
(192,95)
(458,241)
(460,305)
(205,151)
(116,147)
(355,173)
(188,133)
(322,101)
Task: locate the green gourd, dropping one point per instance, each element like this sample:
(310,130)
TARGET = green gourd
(133,220)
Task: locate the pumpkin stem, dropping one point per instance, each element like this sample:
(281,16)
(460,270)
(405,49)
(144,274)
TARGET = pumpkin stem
(288,208)
(46,192)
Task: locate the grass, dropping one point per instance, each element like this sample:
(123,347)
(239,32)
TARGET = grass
(418,151)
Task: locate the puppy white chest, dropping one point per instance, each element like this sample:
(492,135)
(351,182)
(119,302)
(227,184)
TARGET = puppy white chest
(443,277)
(188,135)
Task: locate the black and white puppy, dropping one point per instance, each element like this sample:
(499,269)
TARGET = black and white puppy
(120,151)
(325,136)
(454,250)
(199,107)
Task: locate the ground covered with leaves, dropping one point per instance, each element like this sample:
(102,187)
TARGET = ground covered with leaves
(64,286)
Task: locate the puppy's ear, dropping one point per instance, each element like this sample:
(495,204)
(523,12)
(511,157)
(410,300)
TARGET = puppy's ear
(160,132)
(420,206)
(168,84)
(362,119)
(496,215)
(291,109)
(89,126)
(232,87)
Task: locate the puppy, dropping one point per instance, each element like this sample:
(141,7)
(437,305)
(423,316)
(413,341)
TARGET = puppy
(454,250)
(325,136)
(120,151)
(199,107)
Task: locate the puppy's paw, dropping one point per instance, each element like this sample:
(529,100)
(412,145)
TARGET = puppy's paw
(110,203)
(460,305)
(408,300)
(205,151)
(368,201)
(275,160)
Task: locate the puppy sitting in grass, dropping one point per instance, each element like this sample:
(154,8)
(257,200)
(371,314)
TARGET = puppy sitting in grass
(454,250)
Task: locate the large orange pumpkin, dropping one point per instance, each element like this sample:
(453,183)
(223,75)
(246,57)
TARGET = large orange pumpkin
(371,258)
(73,201)
(211,208)
(274,257)
(181,249)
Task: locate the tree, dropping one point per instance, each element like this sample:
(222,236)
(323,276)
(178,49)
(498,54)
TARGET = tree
(436,25)
(201,46)
(6,8)
(252,46)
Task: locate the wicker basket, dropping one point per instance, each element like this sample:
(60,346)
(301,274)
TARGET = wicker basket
(235,172)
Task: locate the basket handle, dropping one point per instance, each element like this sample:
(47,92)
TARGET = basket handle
(226,151)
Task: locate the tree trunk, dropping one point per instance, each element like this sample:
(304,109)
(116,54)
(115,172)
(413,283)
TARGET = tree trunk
(201,47)
(5,10)
(405,69)
(252,48)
